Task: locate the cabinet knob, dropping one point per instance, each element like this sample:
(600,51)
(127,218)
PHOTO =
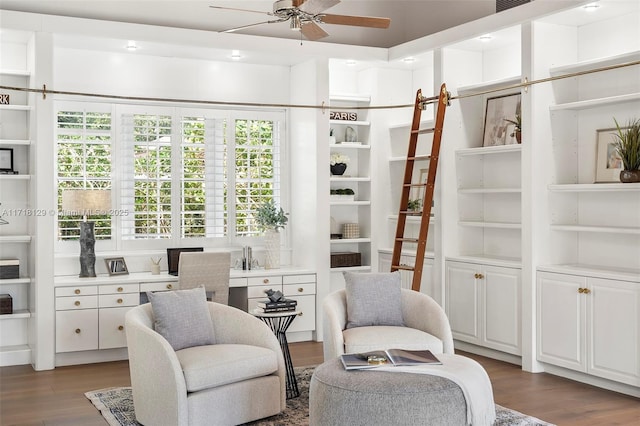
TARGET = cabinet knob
(475,276)
(580,290)
(480,276)
(586,291)
(78,331)
(120,300)
(120,289)
(169,286)
(266,281)
(77,291)
(77,303)
(300,289)
(120,327)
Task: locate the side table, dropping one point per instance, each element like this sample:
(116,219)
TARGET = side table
(279,322)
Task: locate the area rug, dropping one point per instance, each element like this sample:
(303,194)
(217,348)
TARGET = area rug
(116,406)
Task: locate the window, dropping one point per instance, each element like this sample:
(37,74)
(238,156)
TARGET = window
(177,173)
(84,143)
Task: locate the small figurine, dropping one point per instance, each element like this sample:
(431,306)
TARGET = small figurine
(275,296)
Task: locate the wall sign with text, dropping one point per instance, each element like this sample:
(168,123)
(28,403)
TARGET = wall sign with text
(343,115)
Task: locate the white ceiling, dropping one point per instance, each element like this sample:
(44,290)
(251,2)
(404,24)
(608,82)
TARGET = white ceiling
(410,19)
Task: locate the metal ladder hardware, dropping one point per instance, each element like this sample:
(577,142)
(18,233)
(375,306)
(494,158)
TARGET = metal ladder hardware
(421,103)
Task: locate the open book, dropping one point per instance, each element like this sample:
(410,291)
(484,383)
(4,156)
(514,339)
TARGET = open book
(389,357)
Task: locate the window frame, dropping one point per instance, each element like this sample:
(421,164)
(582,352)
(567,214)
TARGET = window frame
(177,112)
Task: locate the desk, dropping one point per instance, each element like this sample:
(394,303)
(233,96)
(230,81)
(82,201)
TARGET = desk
(90,311)
(279,323)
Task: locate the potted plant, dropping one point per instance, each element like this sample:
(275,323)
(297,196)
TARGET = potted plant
(338,163)
(414,205)
(271,219)
(517,131)
(627,144)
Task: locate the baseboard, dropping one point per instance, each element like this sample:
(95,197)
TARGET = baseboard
(486,352)
(91,357)
(592,380)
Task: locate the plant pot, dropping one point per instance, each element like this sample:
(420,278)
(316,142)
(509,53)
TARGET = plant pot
(332,140)
(272,249)
(338,169)
(630,176)
(518,136)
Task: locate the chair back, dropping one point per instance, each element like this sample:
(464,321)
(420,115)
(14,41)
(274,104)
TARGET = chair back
(208,269)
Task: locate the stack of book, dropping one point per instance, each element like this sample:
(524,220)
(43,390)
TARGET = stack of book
(279,306)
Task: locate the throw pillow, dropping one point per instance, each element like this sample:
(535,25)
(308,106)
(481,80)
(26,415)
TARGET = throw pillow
(182,317)
(373,299)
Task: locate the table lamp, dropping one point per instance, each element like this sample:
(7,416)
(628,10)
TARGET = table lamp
(86,202)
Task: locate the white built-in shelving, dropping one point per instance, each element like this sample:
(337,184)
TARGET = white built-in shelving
(16,196)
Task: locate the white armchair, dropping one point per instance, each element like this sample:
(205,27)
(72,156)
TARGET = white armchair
(426,327)
(239,379)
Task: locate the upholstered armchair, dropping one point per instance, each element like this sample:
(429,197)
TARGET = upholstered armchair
(426,326)
(238,379)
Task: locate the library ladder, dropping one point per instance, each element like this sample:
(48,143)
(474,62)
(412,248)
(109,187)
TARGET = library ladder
(427,187)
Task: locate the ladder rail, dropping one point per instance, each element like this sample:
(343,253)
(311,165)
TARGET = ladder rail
(429,187)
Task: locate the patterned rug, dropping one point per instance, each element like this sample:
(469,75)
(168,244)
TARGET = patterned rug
(116,406)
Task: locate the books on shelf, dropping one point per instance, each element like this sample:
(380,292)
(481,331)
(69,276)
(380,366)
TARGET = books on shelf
(390,357)
(279,306)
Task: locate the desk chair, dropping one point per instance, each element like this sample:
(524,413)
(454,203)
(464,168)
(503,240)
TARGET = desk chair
(210,270)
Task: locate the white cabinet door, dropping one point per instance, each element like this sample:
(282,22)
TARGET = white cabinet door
(384,262)
(613,311)
(76,330)
(463,301)
(306,320)
(501,303)
(111,328)
(561,319)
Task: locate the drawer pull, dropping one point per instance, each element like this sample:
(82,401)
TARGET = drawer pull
(120,327)
(169,286)
(120,289)
(266,281)
(300,289)
(78,331)
(120,300)
(77,291)
(77,303)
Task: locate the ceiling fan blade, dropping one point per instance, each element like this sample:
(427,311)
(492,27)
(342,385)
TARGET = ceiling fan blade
(314,7)
(231,30)
(241,10)
(312,31)
(356,21)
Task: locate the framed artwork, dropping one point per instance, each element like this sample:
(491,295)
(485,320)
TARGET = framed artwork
(497,130)
(608,161)
(116,266)
(6,159)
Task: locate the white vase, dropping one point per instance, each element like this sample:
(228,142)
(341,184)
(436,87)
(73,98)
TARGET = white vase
(272,248)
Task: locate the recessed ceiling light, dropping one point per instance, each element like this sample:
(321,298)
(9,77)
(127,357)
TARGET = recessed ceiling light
(591,7)
(351,62)
(235,55)
(409,60)
(485,38)
(131,46)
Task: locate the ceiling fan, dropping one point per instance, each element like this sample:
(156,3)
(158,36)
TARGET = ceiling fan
(305,15)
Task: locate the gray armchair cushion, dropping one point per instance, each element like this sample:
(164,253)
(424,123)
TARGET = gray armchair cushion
(373,299)
(182,317)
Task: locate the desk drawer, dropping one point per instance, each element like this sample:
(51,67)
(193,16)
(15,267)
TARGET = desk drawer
(163,286)
(118,288)
(298,289)
(237,282)
(259,292)
(80,302)
(275,280)
(118,300)
(299,279)
(77,291)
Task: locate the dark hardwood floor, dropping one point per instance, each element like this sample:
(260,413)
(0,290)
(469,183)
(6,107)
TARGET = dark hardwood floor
(56,397)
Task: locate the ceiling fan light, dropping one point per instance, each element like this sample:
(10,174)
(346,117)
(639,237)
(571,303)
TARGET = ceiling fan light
(131,46)
(296,25)
(235,55)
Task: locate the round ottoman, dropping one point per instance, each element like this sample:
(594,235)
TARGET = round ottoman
(340,397)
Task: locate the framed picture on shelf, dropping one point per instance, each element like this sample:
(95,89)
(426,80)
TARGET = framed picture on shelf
(608,161)
(6,159)
(497,129)
(116,266)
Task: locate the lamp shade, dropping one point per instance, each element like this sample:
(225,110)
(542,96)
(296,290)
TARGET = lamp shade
(86,202)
